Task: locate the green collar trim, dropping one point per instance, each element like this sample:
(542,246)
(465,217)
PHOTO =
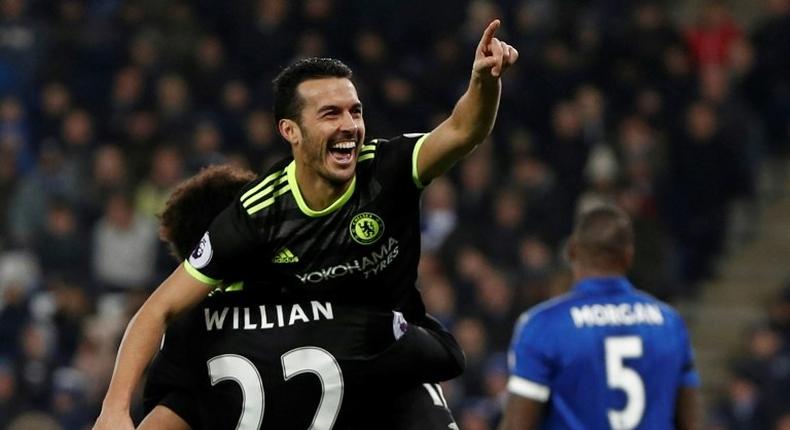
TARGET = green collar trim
(337,204)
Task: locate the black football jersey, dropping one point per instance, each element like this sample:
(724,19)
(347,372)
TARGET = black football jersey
(237,362)
(294,365)
(361,250)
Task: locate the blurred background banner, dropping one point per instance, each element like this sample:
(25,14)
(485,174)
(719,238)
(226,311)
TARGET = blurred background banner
(678,111)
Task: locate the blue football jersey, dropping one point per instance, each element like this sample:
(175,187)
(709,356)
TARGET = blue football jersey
(603,356)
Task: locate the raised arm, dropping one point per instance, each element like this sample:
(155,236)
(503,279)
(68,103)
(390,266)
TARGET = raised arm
(475,112)
(179,292)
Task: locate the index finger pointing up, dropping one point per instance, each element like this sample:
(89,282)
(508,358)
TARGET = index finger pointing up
(488,35)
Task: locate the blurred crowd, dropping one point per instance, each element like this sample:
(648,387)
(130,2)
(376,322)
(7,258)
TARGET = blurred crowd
(105,105)
(758,387)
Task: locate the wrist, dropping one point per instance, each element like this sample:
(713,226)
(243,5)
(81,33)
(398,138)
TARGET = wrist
(115,406)
(484,78)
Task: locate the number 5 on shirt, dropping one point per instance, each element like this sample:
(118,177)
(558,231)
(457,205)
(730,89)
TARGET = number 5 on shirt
(619,376)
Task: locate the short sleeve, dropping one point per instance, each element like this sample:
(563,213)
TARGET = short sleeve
(530,360)
(396,158)
(231,237)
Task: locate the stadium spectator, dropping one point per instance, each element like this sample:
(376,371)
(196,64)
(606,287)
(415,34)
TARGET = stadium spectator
(61,246)
(166,170)
(18,279)
(8,395)
(743,408)
(49,179)
(109,173)
(712,37)
(124,246)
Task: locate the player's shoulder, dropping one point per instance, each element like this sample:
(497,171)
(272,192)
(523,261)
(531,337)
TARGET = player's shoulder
(665,307)
(672,318)
(399,139)
(275,171)
(549,310)
(540,324)
(381,145)
(261,192)
(370,150)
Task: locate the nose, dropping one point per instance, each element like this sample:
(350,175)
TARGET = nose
(348,122)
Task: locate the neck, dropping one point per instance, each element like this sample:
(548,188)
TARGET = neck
(318,192)
(582,273)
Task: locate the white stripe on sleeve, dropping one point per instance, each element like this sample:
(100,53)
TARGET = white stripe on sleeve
(526,388)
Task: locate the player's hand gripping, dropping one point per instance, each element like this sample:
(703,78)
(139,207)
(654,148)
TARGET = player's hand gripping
(493,56)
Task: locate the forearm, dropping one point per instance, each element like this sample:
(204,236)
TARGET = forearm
(176,295)
(438,356)
(470,123)
(475,112)
(440,348)
(139,344)
(425,353)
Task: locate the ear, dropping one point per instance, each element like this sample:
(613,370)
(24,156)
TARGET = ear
(290,131)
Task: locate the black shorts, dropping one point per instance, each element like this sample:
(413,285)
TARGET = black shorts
(165,386)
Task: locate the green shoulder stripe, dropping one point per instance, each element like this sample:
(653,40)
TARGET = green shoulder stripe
(268,202)
(266,191)
(262,184)
(368,150)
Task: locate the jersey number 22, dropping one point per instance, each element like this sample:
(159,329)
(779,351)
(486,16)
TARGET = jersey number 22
(308,359)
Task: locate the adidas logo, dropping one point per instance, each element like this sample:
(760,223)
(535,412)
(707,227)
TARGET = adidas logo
(285,256)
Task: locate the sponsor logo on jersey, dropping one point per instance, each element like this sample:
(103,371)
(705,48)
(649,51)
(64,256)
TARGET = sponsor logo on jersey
(366,228)
(202,253)
(285,256)
(369,265)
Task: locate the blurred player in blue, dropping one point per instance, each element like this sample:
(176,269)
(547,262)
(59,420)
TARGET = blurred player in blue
(605,355)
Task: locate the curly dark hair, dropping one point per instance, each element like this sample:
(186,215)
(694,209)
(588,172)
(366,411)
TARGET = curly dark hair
(196,202)
(287,103)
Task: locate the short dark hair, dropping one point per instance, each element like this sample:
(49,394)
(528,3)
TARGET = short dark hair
(287,103)
(604,235)
(196,202)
